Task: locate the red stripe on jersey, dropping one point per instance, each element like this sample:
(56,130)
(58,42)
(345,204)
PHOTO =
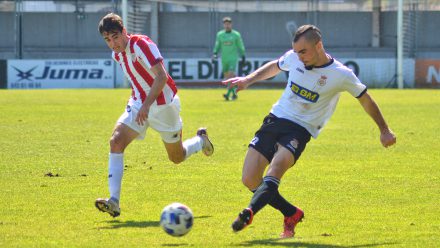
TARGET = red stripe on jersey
(172,85)
(133,95)
(149,80)
(133,78)
(133,39)
(144,73)
(143,45)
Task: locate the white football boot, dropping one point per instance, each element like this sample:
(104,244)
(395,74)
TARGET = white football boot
(108,206)
(208,147)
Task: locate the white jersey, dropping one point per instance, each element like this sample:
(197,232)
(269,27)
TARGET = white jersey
(311,96)
(136,61)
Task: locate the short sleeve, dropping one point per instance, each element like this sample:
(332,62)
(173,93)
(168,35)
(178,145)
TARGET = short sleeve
(353,85)
(148,52)
(285,60)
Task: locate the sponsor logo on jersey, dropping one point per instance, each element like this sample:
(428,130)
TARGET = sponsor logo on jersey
(300,70)
(304,93)
(322,81)
(128,109)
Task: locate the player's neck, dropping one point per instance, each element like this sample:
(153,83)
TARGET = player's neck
(126,40)
(323,59)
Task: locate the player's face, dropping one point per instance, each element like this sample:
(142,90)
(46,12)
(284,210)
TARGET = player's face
(227,26)
(116,41)
(307,51)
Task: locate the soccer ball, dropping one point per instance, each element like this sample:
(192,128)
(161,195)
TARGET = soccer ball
(176,219)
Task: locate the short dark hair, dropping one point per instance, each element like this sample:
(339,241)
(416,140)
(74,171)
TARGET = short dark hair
(310,33)
(110,23)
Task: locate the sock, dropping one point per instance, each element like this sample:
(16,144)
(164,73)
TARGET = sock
(115,171)
(234,90)
(264,193)
(192,145)
(278,202)
(229,91)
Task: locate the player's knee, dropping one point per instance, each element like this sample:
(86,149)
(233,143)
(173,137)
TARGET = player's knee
(250,182)
(176,159)
(116,144)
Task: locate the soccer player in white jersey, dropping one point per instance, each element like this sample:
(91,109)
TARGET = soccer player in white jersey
(153,103)
(309,99)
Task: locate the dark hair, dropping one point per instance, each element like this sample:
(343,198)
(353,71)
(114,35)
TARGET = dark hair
(310,33)
(110,23)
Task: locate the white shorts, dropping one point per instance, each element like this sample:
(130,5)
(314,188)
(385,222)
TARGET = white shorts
(165,119)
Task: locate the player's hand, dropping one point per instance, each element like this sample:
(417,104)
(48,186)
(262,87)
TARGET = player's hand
(240,82)
(387,137)
(142,115)
(214,58)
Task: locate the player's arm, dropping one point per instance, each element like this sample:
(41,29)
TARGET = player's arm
(158,84)
(266,71)
(240,45)
(387,137)
(216,47)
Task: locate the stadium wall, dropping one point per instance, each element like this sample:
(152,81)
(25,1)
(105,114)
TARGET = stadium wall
(192,34)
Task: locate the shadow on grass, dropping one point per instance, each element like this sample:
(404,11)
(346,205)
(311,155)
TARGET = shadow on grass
(115,224)
(275,242)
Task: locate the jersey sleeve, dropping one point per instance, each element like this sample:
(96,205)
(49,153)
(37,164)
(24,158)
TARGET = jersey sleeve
(217,43)
(285,61)
(240,45)
(353,85)
(148,52)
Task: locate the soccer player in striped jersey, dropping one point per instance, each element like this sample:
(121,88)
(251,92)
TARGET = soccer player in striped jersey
(153,103)
(309,100)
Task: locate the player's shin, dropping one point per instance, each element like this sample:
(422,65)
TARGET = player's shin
(278,202)
(265,193)
(115,172)
(192,145)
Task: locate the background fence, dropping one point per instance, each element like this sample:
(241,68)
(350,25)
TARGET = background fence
(186,29)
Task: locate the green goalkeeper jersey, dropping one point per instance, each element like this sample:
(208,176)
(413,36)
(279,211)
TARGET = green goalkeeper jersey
(230,44)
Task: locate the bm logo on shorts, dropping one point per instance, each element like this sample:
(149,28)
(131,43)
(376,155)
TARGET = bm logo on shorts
(303,92)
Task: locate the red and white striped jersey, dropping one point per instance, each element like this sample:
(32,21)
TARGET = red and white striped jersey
(136,61)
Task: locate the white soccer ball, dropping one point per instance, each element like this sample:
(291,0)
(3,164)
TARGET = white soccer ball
(176,219)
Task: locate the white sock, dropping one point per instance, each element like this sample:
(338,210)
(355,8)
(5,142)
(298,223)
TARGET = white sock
(192,145)
(115,171)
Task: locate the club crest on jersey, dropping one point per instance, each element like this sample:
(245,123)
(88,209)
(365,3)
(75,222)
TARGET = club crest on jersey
(303,92)
(322,81)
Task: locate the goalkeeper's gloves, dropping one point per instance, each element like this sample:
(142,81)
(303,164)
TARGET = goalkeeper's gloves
(243,59)
(214,57)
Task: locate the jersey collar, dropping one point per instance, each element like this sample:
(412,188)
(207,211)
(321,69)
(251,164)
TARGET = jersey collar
(326,64)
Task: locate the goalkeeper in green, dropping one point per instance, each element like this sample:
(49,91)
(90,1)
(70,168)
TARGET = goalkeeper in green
(230,43)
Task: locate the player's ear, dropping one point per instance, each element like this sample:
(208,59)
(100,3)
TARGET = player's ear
(319,45)
(124,31)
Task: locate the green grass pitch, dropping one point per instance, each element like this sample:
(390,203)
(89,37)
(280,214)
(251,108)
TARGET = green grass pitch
(354,192)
